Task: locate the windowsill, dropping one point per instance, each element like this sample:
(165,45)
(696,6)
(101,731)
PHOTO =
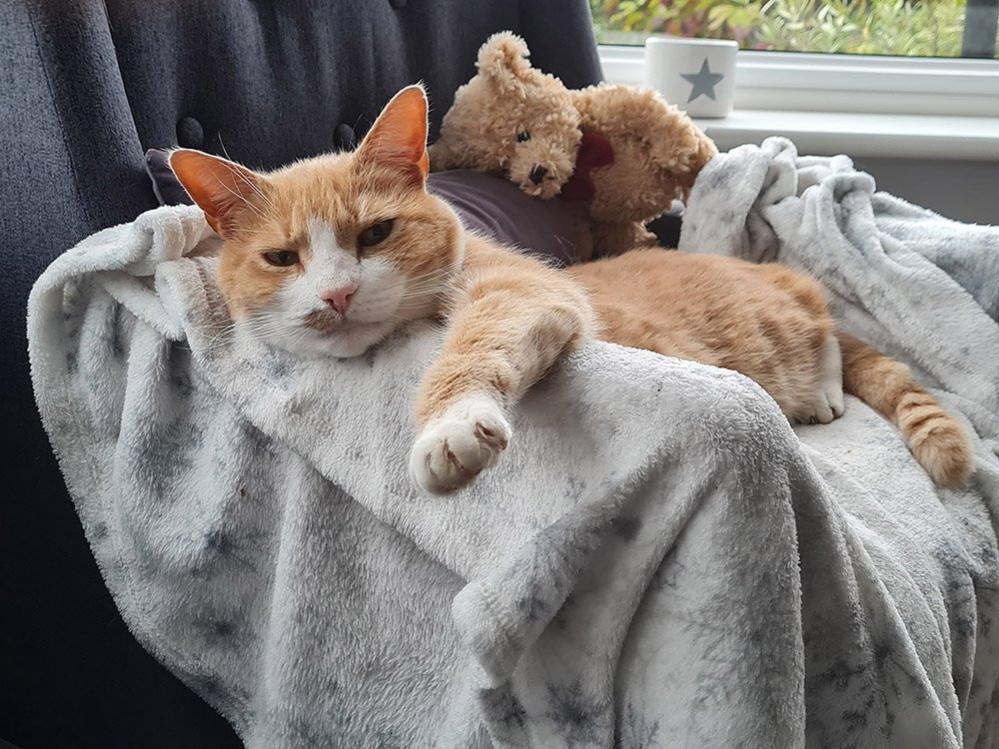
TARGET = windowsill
(870,135)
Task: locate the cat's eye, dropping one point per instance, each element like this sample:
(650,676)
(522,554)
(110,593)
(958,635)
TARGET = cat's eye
(281,258)
(522,136)
(375,233)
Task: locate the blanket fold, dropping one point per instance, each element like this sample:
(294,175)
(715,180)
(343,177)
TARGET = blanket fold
(658,560)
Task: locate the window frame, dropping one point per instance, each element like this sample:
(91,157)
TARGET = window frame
(981,22)
(809,82)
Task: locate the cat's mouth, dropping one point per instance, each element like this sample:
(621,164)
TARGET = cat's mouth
(324,321)
(330,323)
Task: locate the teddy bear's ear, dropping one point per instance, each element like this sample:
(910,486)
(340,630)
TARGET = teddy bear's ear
(503,57)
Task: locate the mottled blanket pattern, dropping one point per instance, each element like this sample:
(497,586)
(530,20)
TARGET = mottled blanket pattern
(659,560)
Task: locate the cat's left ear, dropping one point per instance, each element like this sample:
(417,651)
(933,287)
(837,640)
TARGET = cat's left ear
(398,139)
(227,192)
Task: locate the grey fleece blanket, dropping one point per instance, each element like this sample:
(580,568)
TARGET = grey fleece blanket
(659,560)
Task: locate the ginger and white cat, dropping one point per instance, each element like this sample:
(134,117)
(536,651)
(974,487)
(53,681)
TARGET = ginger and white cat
(329,255)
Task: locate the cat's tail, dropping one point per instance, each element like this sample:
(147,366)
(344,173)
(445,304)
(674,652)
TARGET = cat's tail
(938,441)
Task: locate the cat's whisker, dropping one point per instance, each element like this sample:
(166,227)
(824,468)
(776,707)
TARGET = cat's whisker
(244,178)
(420,282)
(221,336)
(239,196)
(256,189)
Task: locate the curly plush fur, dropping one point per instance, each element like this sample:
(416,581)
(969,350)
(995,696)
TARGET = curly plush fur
(512,118)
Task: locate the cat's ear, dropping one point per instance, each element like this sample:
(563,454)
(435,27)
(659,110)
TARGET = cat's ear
(224,190)
(398,139)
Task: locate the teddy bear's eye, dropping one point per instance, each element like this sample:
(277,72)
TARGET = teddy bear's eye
(522,136)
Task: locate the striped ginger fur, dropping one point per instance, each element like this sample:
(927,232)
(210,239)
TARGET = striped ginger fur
(936,439)
(770,323)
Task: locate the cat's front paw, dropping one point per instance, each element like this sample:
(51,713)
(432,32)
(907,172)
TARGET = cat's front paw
(453,448)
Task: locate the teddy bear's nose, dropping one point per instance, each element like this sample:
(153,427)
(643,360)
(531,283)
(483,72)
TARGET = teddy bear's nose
(537,174)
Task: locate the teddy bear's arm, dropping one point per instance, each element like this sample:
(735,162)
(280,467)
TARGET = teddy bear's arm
(443,157)
(674,148)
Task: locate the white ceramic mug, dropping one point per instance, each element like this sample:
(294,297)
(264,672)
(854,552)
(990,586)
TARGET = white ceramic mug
(697,75)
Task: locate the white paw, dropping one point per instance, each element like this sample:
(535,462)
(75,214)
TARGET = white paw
(821,411)
(828,402)
(827,405)
(453,448)
(834,398)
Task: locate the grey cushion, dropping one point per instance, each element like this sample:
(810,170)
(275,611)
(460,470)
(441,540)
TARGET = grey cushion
(555,230)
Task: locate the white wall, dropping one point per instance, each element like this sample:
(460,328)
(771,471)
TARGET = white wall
(963,190)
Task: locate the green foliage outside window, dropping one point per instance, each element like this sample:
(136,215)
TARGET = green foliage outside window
(925,28)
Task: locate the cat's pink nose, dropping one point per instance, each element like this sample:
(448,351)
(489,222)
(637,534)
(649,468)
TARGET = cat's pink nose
(339,299)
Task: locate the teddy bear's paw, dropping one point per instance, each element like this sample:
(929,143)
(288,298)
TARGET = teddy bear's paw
(455,447)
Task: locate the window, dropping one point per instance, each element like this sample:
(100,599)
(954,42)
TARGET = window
(911,28)
(902,81)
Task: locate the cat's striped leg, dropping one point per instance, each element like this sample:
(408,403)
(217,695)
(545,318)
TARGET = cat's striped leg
(506,331)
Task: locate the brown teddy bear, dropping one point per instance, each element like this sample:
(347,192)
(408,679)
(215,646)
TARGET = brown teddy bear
(623,152)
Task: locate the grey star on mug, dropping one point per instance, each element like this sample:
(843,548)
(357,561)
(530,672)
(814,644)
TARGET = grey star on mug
(703,81)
